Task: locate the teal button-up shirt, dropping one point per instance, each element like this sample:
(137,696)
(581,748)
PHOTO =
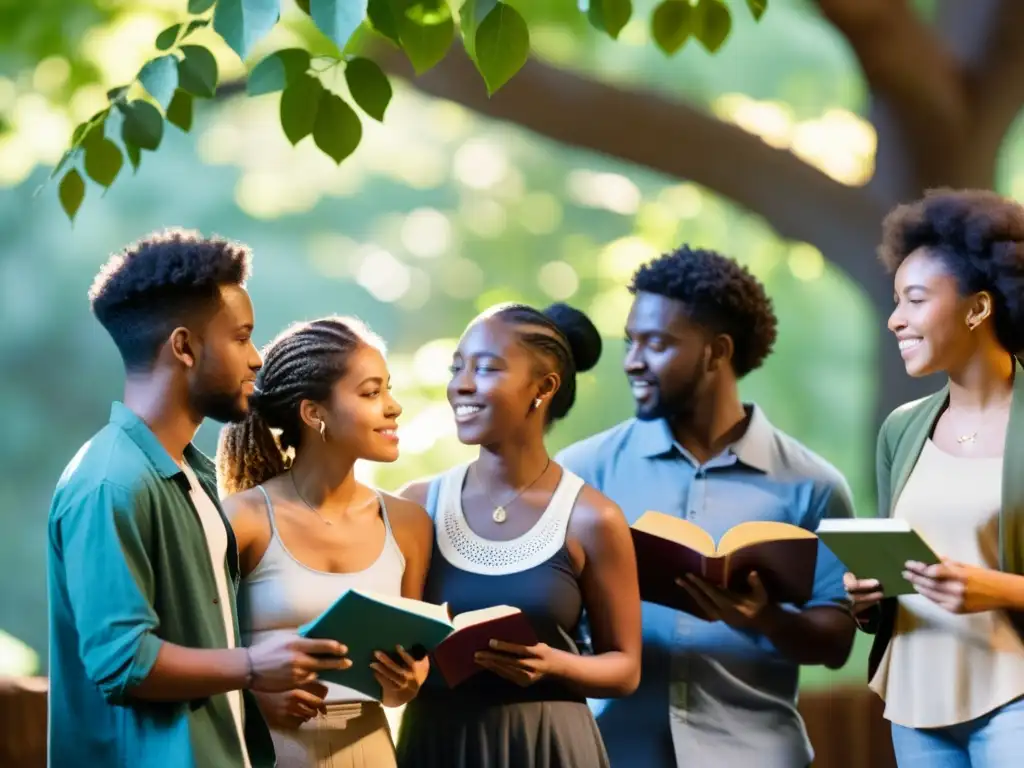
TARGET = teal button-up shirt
(129,569)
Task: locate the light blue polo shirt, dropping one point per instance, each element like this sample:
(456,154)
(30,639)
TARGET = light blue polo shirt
(711,695)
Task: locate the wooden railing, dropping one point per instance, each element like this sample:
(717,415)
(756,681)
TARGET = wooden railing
(845,725)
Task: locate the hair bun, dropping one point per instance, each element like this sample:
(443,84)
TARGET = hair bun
(584,339)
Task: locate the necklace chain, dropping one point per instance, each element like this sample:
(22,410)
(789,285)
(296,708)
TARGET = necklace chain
(500,515)
(313,509)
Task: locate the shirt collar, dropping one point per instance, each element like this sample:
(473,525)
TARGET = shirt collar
(142,436)
(754,448)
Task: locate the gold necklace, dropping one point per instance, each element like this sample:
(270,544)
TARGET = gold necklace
(316,511)
(500,515)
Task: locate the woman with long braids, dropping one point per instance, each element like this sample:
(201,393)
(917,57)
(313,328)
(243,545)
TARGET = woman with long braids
(514,528)
(307,530)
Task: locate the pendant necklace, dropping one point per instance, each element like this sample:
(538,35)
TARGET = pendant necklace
(967,438)
(500,515)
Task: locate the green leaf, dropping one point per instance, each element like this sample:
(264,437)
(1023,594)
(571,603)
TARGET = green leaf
(103,162)
(470,16)
(299,104)
(337,130)
(672,24)
(179,113)
(715,24)
(143,126)
(160,78)
(369,87)
(303,6)
(384,19)
(68,154)
(610,15)
(71,192)
(134,155)
(277,70)
(116,93)
(243,23)
(757,8)
(425,31)
(502,46)
(197,71)
(194,25)
(195,7)
(166,39)
(338,19)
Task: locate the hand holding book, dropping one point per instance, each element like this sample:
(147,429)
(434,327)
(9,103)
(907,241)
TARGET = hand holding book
(523,665)
(741,610)
(399,680)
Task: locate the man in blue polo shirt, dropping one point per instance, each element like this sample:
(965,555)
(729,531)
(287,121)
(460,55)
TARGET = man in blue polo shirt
(714,692)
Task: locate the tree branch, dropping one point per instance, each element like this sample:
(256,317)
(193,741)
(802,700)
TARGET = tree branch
(912,73)
(668,137)
(996,74)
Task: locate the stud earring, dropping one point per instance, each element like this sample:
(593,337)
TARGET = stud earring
(536,403)
(323,431)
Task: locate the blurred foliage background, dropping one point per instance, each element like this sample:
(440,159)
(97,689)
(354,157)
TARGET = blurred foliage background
(439,214)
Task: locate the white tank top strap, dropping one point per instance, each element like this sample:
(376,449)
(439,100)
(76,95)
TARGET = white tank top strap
(270,512)
(467,550)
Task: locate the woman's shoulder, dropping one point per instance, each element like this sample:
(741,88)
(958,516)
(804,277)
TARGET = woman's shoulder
(594,514)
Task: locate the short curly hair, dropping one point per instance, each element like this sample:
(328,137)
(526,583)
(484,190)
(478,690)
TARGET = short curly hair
(979,236)
(720,295)
(165,280)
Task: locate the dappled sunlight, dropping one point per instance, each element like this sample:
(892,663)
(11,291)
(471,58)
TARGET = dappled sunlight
(838,143)
(610,191)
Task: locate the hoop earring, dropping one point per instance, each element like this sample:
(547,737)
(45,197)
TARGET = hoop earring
(323,431)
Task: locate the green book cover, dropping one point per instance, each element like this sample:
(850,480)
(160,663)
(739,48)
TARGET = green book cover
(366,622)
(877,548)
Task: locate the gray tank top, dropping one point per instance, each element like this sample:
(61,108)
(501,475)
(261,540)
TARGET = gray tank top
(281,593)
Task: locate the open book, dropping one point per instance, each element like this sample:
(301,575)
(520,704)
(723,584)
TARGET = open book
(367,622)
(668,547)
(877,548)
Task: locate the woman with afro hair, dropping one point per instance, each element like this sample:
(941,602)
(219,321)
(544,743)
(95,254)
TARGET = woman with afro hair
(949,660)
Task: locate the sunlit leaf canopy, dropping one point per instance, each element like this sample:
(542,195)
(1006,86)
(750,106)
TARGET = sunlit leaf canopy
(206,43)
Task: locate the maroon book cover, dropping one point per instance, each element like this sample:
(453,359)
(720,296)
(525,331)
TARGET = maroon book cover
(786,569)
(455,656)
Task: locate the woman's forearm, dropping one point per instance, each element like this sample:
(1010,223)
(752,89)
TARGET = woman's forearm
(602,676)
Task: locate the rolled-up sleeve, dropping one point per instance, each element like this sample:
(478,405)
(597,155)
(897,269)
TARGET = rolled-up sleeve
(835,501)
(109,576)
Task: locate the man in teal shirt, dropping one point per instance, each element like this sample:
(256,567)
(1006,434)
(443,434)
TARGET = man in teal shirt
(144,664)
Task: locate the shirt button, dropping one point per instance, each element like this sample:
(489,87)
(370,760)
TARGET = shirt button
(216,601)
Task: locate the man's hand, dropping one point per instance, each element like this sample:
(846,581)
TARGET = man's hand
(742,611)
(862,593)
(523,665)
(288,710)
(284,662)
(399,682)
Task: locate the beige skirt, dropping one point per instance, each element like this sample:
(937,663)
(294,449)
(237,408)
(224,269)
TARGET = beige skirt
(349,735)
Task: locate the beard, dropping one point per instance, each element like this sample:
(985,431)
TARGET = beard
(676,404)
(225,407)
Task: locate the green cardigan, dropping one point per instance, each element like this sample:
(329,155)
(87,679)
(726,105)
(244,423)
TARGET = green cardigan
(900,441)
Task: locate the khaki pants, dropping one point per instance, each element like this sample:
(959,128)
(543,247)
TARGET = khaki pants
(349,735)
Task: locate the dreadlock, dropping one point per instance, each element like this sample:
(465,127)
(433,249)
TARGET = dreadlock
(561,334)
(302,363)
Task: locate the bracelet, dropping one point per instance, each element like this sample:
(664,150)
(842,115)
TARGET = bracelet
(250,676)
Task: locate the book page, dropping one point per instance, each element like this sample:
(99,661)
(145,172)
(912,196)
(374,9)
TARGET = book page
(472,618)
(864,525)
(677,530)
(419,607)
(758,531)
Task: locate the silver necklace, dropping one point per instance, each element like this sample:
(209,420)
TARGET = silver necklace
(500,514)
(967,438)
